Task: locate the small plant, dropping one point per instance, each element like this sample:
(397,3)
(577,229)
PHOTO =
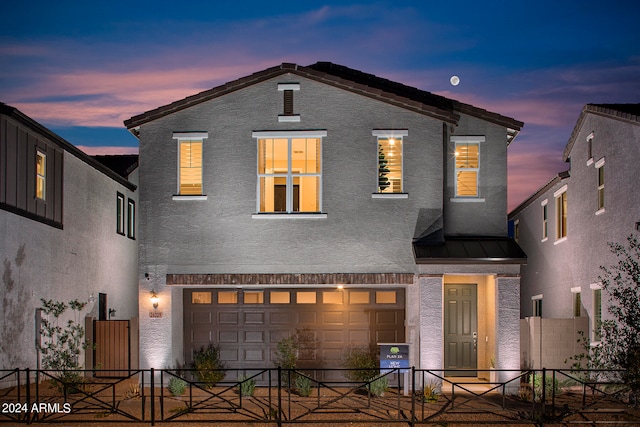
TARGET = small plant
(247,385)
(492,361)
(177,386)
(378,386)
(288,350)
(550,386)
(133,392)
(303,385)
(362,364)
(431,392)
(209,368)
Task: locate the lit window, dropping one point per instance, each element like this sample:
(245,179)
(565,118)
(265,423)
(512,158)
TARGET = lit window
(41,175)
(190,162)
(290,172)
(537,306)
(227,297)
(332,297)
(561,213)
(201,298)
(467,156)
(359,297)
(120,213)
(254,297)
(303,297)
(600,169)
(280,297)
(390,160)
(545,220)
(597,313)
(385,297)
(131,219)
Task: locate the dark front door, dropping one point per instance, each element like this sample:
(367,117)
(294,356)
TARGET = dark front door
(461,329)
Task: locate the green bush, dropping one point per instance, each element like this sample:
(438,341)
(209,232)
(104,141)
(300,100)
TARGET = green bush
(209,368)
(378,386)
(247,385)
(362,364)
(177,386)
(303,385)
(550,386)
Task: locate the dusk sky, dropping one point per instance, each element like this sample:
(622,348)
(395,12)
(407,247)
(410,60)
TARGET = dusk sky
(81,68)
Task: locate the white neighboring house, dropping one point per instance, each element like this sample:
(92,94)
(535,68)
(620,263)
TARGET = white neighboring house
(564,228)
(69,230)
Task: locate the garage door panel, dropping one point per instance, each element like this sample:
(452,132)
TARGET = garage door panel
(254,336)
(254,318)
(307,317)
(331,337)
(389,317)
(359,318)
(200,336)
(387,336)
(227,317)
(254,355)
(358,337)
(333,317)
(201,318)
(280,318)
(228,354)
(225,336)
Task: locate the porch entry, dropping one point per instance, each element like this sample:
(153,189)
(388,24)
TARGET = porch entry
(460,329)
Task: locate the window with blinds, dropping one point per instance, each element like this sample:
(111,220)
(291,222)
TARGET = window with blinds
(190,174)
(467,157)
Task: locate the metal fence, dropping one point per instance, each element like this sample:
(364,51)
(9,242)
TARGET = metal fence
(411,397)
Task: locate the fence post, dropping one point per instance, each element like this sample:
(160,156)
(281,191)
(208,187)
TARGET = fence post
(279,408)
(28,396)
(153,409)
(544,389)
(413,396)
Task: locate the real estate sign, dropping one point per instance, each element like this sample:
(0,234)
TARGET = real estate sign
(394,356)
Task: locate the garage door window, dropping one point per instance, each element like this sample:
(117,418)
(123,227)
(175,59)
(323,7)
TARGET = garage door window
(201,298)
(227,297)
(332,297)
(359,297)
(254,297)
(306,297)
(278,297)
(385,297)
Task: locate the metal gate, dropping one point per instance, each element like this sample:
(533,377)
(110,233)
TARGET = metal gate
(111,354)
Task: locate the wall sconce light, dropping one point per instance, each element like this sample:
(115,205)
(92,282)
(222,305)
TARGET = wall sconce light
(154,299)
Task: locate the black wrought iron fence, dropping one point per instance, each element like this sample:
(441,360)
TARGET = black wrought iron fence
(275,396)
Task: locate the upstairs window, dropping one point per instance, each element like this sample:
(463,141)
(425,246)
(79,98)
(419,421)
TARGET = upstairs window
(390,160)
(120,213)
(190,146)
(467,166)
(597,313)
(41,175)
(131,219)
(561,213)
(600,188)
(537,306)
(545,220)
(289,171)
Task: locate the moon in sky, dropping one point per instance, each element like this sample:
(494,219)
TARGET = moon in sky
(455,80)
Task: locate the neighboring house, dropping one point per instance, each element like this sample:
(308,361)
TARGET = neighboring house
(327,199)
(565,226)
(68,227)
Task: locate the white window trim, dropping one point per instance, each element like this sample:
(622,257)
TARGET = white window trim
(556,195)
(290,135)
(595,287)
(539,296)
(599,163)
(467,139)
(590,141)
(43,177)
(288,119)
(182,136)
(390,133)
(545,236)
(288,86)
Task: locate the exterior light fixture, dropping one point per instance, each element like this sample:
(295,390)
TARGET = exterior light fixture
(154,299)
(340,287)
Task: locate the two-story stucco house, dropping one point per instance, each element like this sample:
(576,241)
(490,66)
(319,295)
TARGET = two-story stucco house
(565,226)
(325,198)
(68,231)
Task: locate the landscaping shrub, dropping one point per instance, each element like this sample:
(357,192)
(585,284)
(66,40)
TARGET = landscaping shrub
(362,364)
(209,368)
(177,386)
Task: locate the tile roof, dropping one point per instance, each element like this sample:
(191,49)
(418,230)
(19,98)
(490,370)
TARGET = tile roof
(411,98)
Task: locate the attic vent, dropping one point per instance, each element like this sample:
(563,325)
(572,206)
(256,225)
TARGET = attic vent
(287,89)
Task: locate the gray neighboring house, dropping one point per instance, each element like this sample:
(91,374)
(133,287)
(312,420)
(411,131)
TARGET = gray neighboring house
(68,230)
(323,198)
(564,228)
